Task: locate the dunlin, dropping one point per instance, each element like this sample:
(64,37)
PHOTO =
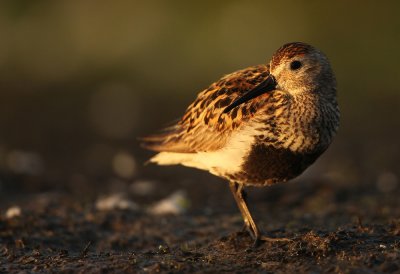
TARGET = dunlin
(257,126)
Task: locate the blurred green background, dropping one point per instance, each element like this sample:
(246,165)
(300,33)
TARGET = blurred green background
(80,80)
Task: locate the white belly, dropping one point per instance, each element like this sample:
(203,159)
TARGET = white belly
(228,159)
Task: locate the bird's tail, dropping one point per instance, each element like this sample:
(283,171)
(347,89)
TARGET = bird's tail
(171,158)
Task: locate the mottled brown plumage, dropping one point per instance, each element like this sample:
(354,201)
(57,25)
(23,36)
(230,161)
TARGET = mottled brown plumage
(257,126)
(204,126)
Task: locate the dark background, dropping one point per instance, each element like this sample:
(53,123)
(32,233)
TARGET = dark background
(81,80)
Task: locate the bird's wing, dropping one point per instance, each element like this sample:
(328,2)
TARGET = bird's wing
(204,126)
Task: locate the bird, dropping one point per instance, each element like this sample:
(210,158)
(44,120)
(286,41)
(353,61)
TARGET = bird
(258,126)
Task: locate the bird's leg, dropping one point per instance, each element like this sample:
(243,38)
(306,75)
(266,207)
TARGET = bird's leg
(238,194)
(237,191)
(244,196)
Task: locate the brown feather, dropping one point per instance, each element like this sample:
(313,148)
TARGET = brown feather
(204,126)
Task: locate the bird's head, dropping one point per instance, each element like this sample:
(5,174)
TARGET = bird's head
(298,67)
(295,68)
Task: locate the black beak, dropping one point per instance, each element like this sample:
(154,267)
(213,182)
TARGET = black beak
(267,85)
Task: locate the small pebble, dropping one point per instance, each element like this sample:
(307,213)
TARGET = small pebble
(176,203)
(116,201)
(14,211)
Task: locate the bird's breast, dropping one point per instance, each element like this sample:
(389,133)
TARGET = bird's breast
(266,164)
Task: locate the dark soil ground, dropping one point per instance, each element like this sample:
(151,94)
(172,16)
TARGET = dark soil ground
(338,228)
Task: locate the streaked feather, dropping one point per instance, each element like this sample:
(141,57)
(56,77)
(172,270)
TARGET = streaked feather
(204,126)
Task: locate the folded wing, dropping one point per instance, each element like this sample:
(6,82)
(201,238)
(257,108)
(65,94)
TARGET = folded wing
(204,126)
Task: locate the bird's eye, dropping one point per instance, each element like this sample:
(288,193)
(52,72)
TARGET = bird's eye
(295,65)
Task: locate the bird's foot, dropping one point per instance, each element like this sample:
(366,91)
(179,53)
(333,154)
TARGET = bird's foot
(269,239)
(261,239)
